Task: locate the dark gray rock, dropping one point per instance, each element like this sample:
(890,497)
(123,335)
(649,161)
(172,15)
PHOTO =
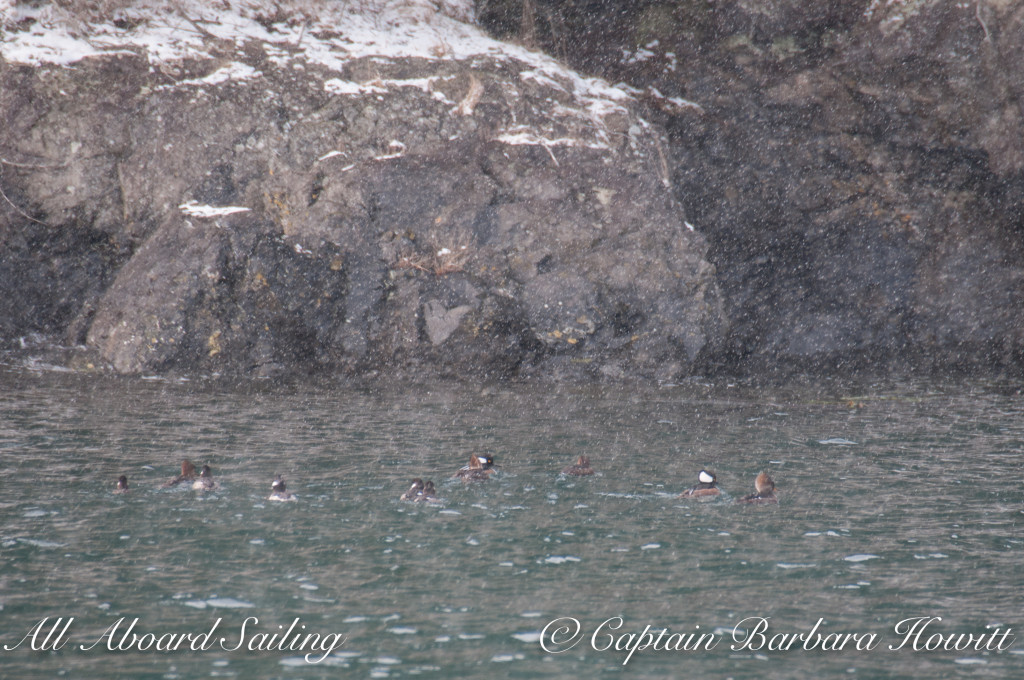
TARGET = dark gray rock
(857,171)
(857,167)
(461,218)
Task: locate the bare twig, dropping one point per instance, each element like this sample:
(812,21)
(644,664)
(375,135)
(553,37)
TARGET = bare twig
(33,166)
(977,15)
(547,147)
(472,98)
(20,211)
(439,263)
(195,24)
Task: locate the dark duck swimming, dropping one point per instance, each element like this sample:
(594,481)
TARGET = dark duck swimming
(278,490)
(707,486)
(206,482)
(480,469)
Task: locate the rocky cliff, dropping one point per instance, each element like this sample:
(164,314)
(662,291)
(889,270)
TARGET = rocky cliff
(268,188)
(380,188)
(856,167)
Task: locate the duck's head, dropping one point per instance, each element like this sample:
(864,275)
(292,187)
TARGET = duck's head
(764,483)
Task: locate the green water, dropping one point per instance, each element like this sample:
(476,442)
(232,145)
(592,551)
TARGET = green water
(896,501)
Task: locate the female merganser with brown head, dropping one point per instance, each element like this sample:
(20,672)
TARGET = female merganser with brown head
(188,473)
(581,468)
(765,491)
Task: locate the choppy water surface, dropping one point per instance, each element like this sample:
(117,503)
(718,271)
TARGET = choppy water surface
(896,502)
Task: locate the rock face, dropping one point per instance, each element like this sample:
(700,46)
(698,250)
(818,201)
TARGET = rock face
(278,201)
(793,185)
(857,167)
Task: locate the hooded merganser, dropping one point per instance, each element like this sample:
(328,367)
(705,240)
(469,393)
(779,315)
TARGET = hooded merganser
(278,492)
(428,495)
(581,468)
(205,481)
(188,473)
(707,486)
(415,490)
(480,469)
(765,487)
(122,485)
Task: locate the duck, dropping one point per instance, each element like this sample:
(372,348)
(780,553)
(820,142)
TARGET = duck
(581,468)
(415,490)
(480,469)
(428,495)
(206,481)
(278,492)
(122,485)
(707,486)
(765,491)
(188,473)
